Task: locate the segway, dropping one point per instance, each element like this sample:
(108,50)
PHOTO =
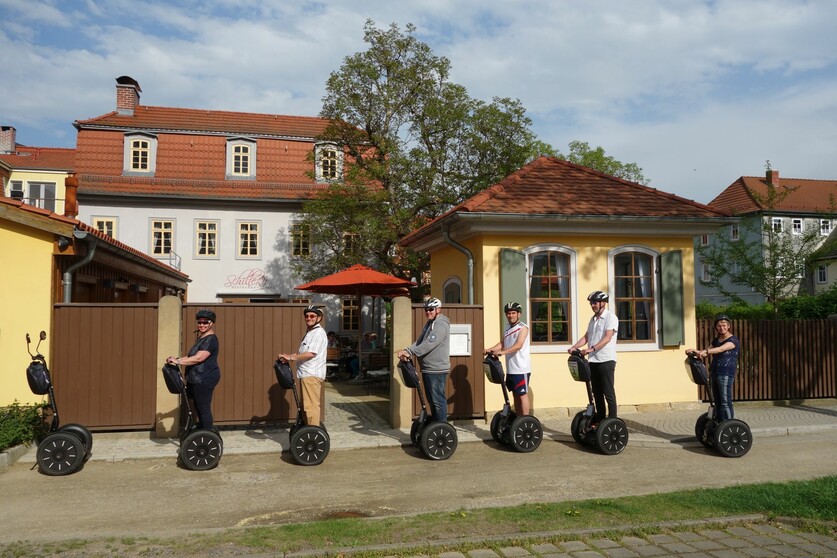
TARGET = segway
(524,434)
(732,438)
(309,444)
(200,449)
(610,435)
(65,448)
(436,439)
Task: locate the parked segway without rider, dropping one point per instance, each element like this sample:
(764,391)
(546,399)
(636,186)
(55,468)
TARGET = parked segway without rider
(65,448)
(718,427)
(596,366)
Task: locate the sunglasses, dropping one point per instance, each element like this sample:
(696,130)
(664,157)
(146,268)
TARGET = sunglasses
(204,323)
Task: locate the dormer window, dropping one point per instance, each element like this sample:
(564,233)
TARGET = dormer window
(241,159)
(329,162)
(140,155)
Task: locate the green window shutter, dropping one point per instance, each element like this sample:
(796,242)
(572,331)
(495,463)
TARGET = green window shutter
(513,281)
(671,300)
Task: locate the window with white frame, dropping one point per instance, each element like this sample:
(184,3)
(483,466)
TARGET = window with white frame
(241,159)
(249,239)
(42,194)
(776,224)
(734,232)
(206,239)
(350,242)
(16,190)
(452,291)
(550,295)
(328,162)
(105,225)
(140,155)
(704,240)
(796,226)
(162,237)
(825,227)
(634,293)
(705,273)
(300,240)
(822,274)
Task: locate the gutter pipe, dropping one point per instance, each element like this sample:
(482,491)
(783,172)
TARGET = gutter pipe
(67,279)
(468,255)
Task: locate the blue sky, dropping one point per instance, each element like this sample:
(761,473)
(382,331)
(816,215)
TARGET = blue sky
(697,93)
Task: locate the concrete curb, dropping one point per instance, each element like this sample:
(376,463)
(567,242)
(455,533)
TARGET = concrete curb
(10,455)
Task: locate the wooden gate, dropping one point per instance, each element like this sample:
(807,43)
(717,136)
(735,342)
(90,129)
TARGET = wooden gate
(103,364)
(466,385)
(782,359)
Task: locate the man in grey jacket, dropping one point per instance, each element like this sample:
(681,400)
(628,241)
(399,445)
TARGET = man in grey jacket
(432,348)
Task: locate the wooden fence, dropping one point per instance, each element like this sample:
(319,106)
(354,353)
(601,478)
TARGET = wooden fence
(782,359)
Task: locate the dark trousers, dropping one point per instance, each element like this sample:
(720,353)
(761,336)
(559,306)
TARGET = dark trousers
(201,394)
(601,380)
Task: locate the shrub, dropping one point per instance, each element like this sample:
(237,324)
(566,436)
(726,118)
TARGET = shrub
(20,424)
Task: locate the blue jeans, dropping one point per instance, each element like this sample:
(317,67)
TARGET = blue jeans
(722,393)
(435,388)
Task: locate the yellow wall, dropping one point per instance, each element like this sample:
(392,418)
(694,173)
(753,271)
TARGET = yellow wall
(643,377)
(33,176)
(25,305)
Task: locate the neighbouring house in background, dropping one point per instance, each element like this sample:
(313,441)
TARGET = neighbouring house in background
(34,175)
(217,194)
(802,204)
(50,258)
(551,233)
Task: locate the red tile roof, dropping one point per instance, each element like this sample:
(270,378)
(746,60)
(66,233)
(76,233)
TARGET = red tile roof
(803,195)
(118,246)
(550,186)
(209,121)
(40,158)
(184,188)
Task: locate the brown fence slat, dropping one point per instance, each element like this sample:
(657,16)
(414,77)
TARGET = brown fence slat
(781,359)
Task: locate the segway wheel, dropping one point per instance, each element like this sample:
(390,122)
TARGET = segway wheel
(83,434)
(201,450)
(495,428)
(310,445)
(526,434)
(700,430)
(611,436)
(60,453)
(733,438)
(580,426)
(439,441)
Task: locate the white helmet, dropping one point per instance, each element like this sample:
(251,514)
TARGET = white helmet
(432,303)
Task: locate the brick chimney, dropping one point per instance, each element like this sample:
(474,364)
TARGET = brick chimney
(772,177)
(71,196)
(7,139)
(127,95)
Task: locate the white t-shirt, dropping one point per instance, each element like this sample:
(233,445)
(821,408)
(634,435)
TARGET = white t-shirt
(596,331)
(519,362)
(315,341)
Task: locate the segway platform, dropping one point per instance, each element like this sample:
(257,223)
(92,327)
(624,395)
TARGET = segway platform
(309,444)
(437,440)
(610,435)
(524,434)
(200,449)
(731,438)
(65,449)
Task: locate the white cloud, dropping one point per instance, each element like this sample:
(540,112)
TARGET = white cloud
(716,86)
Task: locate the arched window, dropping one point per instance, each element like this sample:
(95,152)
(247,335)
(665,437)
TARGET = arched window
(634,292)
(453,291)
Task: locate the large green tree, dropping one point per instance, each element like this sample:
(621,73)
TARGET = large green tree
(763,257)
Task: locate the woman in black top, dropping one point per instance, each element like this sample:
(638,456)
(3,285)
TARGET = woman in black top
(202,371)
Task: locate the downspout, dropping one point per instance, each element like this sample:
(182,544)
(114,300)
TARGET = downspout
(68,274)
(468,254)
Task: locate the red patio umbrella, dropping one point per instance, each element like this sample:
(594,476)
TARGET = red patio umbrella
(359,281)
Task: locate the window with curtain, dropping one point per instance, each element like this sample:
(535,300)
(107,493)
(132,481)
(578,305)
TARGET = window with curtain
(633,276)
(549,297)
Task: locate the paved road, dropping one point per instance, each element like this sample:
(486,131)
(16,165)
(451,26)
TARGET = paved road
(155,497)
